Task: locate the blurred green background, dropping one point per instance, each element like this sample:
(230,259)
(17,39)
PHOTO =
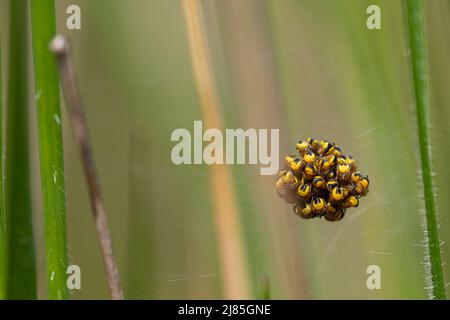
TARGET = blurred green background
(305,67)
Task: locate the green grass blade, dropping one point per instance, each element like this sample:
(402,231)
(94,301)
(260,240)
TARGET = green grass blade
(417,40)
(21,250)
(2,198)
(264,288)
(50,146)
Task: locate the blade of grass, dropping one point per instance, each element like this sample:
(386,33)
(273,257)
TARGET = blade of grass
(21,251)
(233,259)
(140,237)
(50,147)
(417,41)
(2,197)
(264,288)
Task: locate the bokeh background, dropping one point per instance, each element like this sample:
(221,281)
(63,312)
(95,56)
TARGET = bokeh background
(306,67)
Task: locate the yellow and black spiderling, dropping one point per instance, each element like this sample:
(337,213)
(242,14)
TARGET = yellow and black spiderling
(321,181)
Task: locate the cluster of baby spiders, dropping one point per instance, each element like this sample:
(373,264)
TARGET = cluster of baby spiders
(321,181)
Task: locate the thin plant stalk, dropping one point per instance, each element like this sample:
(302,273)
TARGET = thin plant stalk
(417,41)
(232,253)
(264,287)
(77,117)
(140,223)
(21,249)
(3,246)
(50,147)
